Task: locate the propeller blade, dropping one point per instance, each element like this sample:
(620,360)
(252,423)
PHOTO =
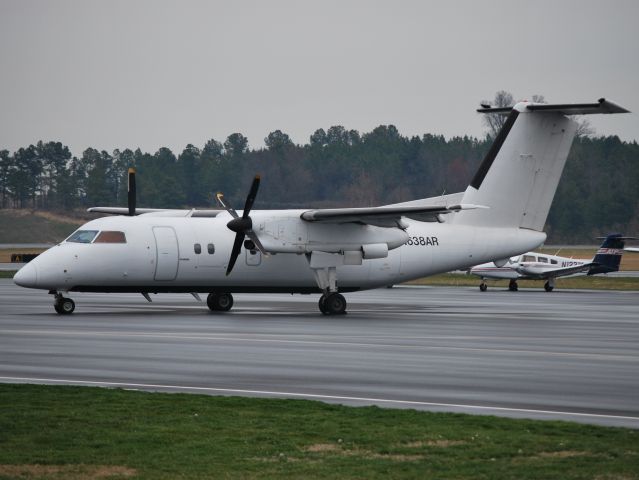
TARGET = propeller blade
(131,198)
(220,200)
(251,196)
(237,246)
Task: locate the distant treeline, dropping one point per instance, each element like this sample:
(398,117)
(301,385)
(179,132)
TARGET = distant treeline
(598,192)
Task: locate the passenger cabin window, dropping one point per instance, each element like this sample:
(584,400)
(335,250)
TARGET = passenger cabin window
(528,258)
(82,236)
(543,260)
(197,248)
(211,248)
(107,236)
(554,262)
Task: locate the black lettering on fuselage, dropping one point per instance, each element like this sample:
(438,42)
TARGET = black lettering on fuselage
(423,241)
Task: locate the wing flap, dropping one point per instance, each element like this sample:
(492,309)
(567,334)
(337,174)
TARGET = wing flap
(383,216)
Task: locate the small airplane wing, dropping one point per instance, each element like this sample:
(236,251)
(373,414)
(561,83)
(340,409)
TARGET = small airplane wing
(383,216)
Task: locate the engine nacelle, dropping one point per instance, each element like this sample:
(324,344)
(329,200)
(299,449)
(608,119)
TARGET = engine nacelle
(375,250)
(294,235)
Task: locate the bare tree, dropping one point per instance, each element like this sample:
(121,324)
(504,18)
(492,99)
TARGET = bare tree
(494,122)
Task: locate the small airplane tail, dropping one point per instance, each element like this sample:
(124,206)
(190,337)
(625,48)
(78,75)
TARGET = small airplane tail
(608,256)
(518,178)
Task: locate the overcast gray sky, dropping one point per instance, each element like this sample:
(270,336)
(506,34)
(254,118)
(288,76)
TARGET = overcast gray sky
(147,73)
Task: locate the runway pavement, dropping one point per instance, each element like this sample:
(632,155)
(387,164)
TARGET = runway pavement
(570,355)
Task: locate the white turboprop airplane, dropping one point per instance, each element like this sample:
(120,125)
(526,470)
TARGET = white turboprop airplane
(539,266)
(328,251)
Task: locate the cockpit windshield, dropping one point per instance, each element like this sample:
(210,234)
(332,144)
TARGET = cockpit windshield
(82,236)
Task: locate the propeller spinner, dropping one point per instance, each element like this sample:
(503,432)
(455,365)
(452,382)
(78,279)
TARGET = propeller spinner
(242,226)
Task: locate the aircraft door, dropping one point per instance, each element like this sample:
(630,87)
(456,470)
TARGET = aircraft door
(166,264)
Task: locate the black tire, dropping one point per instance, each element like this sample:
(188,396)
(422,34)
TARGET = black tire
(512,286)
(334,304)
(547,287)
(219,302)
(64,306)
(321,306)
(483,287)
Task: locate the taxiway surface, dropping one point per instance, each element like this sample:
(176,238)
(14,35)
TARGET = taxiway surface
(569,355)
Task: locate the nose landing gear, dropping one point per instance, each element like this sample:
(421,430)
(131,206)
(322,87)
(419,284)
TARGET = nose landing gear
(63,305)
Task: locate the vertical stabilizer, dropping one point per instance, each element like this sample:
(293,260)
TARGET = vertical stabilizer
(608,257)
(518,178)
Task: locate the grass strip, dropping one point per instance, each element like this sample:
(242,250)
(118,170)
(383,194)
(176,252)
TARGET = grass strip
(87,432)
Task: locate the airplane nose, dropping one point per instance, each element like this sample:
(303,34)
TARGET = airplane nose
(27,276)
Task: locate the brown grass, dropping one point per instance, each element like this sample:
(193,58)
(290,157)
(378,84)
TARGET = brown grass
(66,472)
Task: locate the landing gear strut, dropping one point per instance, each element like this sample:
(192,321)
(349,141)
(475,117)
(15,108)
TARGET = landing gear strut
(63,305)
(219,302)
(512,286)
(332,304)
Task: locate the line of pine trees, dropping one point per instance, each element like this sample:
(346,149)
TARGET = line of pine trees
(598,192)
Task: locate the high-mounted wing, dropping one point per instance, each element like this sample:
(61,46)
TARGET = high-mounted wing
(123,210)
(383,216)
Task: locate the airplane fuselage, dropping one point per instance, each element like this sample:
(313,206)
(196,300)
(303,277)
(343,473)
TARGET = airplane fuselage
(185,254)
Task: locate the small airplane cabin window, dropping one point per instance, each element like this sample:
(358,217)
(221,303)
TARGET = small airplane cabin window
(211,248)
(110,237)
(543,260)
(554,262)
(528,258)
(82,236)
(197,248)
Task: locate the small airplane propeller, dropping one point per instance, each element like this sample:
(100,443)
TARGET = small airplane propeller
(131,192)
(242,226)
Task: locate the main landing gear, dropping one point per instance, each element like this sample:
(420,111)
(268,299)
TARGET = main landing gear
(512,286)
(483,286)
(549,285)
(219,302)
(332,304)
(63,305)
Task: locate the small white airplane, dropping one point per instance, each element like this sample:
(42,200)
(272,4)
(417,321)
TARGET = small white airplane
(327,251)
(539,266)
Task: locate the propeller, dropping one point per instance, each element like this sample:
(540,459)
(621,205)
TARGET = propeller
(131,192)
(242,226)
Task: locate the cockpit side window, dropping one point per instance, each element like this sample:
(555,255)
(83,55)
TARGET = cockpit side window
(107,236)
(528,258)
(82,236)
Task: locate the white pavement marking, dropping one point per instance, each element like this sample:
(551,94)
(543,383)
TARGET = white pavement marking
(484,408)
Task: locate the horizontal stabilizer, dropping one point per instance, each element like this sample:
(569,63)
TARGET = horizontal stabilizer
(602,106)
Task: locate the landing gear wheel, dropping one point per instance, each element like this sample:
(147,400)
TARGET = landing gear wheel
(64,306)
(321,306)
(512,286)
(332,304)
(548,287)
(219,302)
(483,287)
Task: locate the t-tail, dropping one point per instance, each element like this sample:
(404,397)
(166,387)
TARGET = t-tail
(608,256)
(518,178)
